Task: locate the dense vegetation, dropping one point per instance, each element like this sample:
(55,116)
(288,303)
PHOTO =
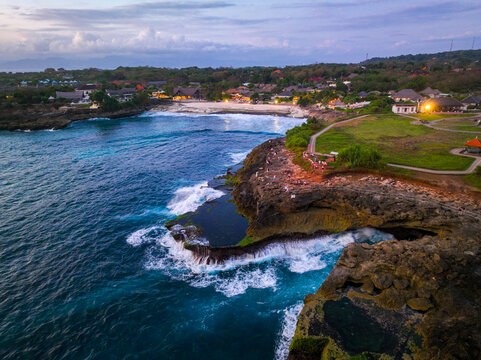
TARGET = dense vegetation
(108,103)
(357,156)
(458,72)
(298,137)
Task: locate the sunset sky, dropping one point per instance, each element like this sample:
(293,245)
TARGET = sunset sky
(106,33)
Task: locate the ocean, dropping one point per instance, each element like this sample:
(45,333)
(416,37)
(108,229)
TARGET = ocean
(88,270)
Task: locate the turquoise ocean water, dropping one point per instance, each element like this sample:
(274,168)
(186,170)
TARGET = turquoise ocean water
(88,271)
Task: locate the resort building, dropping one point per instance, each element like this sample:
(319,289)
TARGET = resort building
(472,100)
(121,94)
(442,104)
(87,89)
(473,146)
(337,103)
(186,93)
(74,96)
(407,108)
(407,95)
(432,93)
(284,94)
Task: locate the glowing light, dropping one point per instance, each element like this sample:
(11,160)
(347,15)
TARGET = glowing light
(226,100)
(427,107)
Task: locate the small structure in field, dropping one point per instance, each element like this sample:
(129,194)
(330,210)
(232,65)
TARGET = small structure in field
(473,146)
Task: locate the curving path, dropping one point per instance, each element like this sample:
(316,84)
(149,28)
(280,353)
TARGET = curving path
(430,124)
(312,144)
(456,151)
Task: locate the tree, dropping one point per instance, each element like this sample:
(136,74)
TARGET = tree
(111,104)
(304,101)
(340,86)
(140,99)
(417,83)
(99,96)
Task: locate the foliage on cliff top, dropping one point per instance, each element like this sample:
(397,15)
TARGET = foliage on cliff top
(298,137)
(357,156)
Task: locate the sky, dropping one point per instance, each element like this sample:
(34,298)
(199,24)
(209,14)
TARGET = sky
(35,34)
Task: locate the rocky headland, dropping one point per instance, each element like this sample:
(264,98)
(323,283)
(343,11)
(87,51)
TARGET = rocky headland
(416,297)
(41,117)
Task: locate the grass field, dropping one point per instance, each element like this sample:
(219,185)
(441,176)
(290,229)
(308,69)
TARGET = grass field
(458,124)
(399,142)
(431,117)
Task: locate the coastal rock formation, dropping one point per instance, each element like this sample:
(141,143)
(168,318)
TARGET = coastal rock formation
(280,199)
(411,298)
(47,117)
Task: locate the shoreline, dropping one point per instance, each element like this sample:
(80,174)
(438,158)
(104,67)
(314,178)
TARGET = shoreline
(212,107)
(407,290)
(46,118)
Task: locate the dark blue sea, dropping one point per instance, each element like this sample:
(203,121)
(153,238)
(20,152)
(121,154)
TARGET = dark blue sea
(88,271)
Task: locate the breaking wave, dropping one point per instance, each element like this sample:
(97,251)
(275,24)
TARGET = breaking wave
(191,197)
(238,157)
(236,275)
(287,331)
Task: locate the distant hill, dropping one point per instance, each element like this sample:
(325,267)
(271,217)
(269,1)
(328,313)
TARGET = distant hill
(459,57)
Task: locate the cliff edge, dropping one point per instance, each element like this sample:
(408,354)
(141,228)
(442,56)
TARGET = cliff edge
(411,298)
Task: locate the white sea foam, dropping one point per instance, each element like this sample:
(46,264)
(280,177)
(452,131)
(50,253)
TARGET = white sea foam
(237,274)
(140,236)
(245,122)
(238,157)
(288,330)
(191,197)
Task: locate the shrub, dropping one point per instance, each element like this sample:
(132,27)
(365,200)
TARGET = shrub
(299,136)
(356,156)
(296,141)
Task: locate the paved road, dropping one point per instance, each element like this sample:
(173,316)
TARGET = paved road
(312,147)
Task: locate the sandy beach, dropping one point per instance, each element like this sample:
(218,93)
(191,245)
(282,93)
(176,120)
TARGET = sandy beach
(207,107)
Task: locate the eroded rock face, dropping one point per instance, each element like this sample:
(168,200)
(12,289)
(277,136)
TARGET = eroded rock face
(428,287)
(284,200)
(400,299)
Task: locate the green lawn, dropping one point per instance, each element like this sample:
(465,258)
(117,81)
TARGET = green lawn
(464,125)
(399,142)
(431,117)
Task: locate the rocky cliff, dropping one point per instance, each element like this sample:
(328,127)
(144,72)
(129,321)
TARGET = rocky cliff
(411,298)
(46,117)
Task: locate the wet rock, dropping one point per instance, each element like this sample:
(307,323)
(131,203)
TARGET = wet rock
(382,280)
(419,304)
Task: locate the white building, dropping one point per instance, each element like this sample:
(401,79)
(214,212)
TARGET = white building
(405,108)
